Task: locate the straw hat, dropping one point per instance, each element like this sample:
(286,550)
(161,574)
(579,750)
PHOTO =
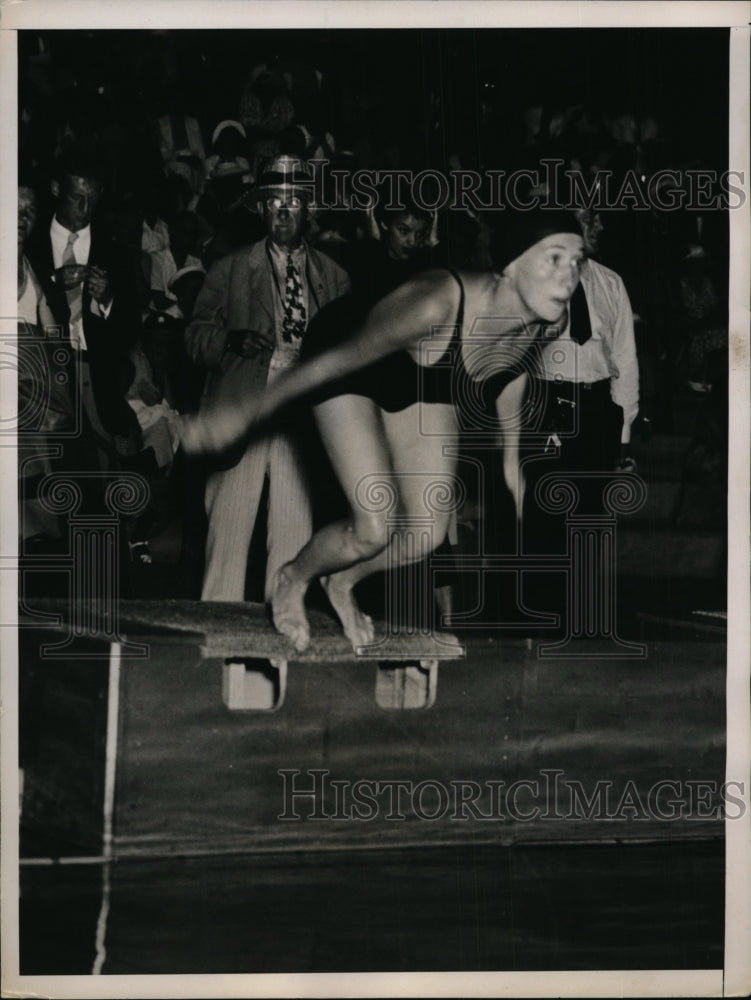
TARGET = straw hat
(227,123)
(286,176)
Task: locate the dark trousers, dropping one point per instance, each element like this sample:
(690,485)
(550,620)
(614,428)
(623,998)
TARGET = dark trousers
(586,422)
(579,432)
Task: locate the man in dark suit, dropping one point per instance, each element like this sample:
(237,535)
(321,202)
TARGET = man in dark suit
(248,324)
(90,287)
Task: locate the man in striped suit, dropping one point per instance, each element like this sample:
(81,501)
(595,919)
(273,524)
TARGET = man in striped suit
(247,327)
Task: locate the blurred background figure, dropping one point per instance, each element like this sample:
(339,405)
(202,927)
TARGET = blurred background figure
(45,405)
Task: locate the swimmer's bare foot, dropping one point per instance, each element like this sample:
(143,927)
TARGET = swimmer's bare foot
(288,609)
(358,627)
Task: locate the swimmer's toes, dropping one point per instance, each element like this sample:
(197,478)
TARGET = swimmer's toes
(296,631)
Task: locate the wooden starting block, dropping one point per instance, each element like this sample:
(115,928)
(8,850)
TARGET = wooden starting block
(127,746)
(254,674)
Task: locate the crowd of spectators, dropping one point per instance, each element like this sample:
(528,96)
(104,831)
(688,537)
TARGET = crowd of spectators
(174,160)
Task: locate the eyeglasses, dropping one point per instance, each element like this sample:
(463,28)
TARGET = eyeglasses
(274,204)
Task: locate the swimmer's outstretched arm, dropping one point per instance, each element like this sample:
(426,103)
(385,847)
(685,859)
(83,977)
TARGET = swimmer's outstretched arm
(398,322)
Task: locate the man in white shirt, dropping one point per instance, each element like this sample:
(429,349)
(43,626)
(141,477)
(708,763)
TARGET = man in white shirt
(90,288)
(589,374)
(585,397)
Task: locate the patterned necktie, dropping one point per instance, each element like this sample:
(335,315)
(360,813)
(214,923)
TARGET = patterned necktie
(580,327)
(75,294)
(293,324)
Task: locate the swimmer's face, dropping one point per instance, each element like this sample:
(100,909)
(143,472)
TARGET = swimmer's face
(404,235)
(546,274)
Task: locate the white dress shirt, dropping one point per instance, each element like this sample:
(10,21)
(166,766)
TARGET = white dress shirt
(610,353)
(81,248)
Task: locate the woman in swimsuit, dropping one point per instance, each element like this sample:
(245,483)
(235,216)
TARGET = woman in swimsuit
(387,401)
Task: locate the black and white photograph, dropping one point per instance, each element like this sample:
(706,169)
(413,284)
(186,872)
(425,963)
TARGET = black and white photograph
(375,439)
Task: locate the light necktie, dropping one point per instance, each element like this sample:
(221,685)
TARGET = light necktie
(293,323)
(75,294)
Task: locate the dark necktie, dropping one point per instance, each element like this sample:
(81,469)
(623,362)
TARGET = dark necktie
(293,323)
(580,328)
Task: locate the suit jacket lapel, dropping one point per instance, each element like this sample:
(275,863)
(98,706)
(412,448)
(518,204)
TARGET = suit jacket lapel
(262,287)
(39,252)
(42,261)
(98,249)
(317,291)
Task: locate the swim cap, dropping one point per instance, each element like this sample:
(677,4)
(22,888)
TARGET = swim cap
(518,231)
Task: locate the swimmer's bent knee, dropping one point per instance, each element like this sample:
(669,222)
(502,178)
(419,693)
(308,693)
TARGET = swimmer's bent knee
(369,536)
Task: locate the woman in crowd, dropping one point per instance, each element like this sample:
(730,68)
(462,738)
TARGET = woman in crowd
(388,401)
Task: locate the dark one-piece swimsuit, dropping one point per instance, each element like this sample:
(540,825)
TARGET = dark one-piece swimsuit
(397,381)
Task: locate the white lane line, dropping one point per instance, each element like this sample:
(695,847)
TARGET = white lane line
(110,770)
